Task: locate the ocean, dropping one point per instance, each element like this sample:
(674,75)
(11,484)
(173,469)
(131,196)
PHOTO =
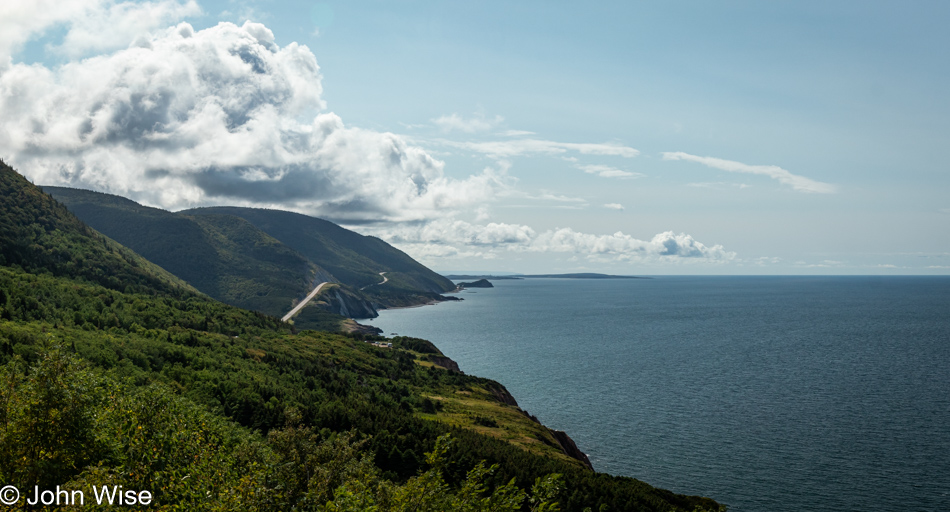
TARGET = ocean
(764,393)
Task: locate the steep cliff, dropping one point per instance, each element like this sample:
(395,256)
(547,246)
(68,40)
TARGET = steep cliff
(444,362)
(569,447)
(346,303)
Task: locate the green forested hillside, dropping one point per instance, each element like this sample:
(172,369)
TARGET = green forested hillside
(39,234)
(353,258)
(223,256)
(261,259)
(250,369)
(253,270)
(212,407)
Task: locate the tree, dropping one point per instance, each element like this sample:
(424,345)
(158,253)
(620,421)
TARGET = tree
(428,491)
(47,419)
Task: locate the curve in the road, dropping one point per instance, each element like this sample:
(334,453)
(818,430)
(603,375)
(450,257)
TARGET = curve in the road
(304,302)
(377,284)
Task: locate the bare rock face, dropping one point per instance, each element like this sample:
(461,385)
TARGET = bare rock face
(570,448)
(502,395)
(444,362)
(348,304)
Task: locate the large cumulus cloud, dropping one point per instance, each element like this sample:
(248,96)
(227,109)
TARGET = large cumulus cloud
(190,117)
(176,117)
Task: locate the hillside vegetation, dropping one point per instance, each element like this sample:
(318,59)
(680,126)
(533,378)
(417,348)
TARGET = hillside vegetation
(38,234)
(264,260)
(354,259)
(208,406)
(223,256)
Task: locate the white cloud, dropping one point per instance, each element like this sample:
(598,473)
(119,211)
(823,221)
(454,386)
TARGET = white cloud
(93,25)
(550,196)
(438,252)
(491,238)
(718,185)
(455,122)
(625,248)
(799,183)
(221,115)
(614,206)
(120,24)
(21,21)
(224,115)
(606,171)
(520,147)
(457,232)
(821,264)
(543,199)
(244,10)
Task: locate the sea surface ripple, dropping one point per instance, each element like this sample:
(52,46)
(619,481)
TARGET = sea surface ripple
(764,393)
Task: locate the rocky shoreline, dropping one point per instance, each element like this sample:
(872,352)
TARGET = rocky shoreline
(564,442)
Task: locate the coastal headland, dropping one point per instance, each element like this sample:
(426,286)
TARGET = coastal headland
(123,373)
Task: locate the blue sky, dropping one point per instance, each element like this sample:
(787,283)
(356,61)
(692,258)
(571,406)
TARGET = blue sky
(625,137)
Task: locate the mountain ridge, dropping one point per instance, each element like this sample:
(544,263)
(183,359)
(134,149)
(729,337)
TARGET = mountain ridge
(265,260)
(335,247)
(37,232)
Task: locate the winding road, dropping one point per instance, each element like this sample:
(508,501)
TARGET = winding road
(304,302)
(314,293)
(377,284)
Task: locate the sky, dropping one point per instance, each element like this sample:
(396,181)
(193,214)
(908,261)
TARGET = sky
(682,137)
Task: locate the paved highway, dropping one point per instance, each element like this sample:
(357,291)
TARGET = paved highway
(304,302)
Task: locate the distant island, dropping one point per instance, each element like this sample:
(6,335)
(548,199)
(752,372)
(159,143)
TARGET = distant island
(459,277)
(582,275)
(481,283)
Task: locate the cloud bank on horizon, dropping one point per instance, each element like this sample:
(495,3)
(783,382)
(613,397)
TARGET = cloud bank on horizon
(451,238)
(147,107)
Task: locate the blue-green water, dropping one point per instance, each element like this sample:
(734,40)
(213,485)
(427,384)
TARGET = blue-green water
(765,393)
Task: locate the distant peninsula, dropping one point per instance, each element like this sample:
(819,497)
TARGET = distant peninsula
(582,275)
(481,283)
